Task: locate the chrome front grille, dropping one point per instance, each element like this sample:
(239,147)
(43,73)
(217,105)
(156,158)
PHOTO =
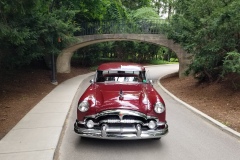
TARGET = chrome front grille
(120,116)
(132,117)
(125,119)
(120,113)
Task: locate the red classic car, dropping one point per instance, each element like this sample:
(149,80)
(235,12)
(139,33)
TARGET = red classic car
(121,104)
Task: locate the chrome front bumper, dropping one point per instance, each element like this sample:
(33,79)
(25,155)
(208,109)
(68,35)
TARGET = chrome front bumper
(132,131)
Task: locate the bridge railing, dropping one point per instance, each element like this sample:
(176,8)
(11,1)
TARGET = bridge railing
(143,26)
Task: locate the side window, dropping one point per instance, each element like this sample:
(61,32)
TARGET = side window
(99,77)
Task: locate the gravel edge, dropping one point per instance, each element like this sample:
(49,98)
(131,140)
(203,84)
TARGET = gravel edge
(221,126)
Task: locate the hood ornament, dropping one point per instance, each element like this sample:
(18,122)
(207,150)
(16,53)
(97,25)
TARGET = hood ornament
(121,95)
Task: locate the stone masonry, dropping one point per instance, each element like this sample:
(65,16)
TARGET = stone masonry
(64,59)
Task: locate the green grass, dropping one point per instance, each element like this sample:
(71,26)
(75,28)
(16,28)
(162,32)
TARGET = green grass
(105,60)
(156,62)
(93,68)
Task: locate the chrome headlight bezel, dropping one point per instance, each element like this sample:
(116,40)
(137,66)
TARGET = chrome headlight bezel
(159,107)
(83,106)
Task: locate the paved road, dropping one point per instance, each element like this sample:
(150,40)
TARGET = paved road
(190,136)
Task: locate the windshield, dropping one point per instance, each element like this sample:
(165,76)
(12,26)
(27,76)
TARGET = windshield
(120,76)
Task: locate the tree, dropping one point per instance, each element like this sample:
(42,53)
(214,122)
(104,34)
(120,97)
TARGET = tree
(208,31)
(115,11)
(30,31)
(89,10)
(136,4)
(164,8)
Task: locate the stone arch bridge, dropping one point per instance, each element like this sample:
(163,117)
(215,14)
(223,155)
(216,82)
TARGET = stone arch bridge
(63,63)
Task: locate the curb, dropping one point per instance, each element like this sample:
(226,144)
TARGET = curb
(216,123)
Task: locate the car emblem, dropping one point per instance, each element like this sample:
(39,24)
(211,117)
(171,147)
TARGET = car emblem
(121,115)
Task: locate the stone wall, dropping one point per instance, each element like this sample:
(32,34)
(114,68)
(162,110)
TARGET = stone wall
(64,58)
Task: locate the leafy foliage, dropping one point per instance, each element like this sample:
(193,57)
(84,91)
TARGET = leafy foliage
(164,8)
(231,63)
(136,4)
(209,32)
(89,10)
(144,13)
(29,30)
(115,11)
(33,30)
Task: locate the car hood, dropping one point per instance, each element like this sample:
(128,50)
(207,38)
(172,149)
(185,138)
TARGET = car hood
(121,96)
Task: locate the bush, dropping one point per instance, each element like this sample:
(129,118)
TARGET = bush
(173,59)
(231,63)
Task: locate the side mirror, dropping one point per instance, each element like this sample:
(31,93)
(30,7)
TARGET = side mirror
(91,81)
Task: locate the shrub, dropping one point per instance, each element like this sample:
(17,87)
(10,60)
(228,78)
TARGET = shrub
(231,63)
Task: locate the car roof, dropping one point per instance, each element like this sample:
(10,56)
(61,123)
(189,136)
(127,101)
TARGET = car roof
(121,66)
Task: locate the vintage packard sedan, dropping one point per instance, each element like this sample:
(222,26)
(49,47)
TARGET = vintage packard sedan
(121,103)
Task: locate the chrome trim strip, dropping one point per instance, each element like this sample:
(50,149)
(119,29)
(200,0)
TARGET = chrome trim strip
(129,121)
(151,117)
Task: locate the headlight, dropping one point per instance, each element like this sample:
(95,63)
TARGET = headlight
(159,107)
(83,106)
